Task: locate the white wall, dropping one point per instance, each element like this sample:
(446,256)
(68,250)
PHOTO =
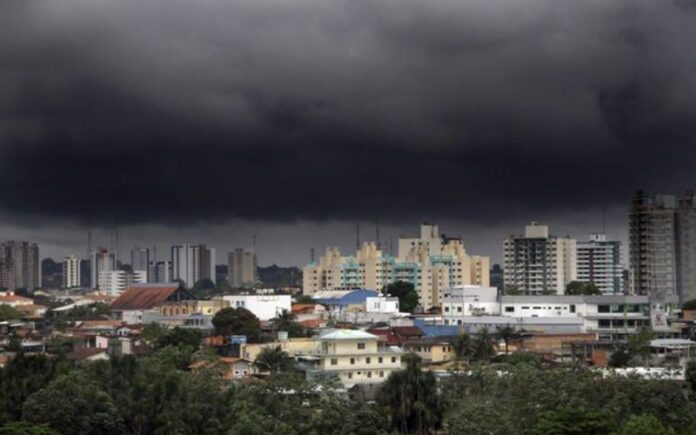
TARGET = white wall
(265,307)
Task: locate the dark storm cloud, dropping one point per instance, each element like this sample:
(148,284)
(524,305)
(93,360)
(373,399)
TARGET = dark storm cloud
(176,111)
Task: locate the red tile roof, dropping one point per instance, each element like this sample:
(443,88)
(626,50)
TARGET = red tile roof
(85,352)
(303,308)
(15,298)
(143,297)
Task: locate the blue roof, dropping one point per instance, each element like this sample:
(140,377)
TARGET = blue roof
(436,330)
(343,297)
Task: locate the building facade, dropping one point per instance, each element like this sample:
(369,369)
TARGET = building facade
(652,250)
(537,263)
(140,261)
(241,268)
(71,272)
(191,263)
(102,261)
(430,263)
(19,265)
(686,246)
(115,282)
(599,262)
(264,307)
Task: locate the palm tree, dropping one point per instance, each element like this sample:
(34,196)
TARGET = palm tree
(283,321)
(273,360)
(506,333)
(412,400)
(483,346)
(463,347)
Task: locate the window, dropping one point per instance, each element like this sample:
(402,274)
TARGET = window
(368,360)
(602,308)
(509,309)
(334,361)
(380,360)
(393,359)
(381,374)
(352,360)
(350,375)
(459,309)
(361,345)
(572,308)
(369,374)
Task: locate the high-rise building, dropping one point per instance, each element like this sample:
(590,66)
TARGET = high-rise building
(191,263)
(102,261)
(71,272)
(241,267)
(115,282)
(160,272)
(430,263)
(599,262)
(652,239)
(686,246)
(537,263)
(140,260)
(19,265)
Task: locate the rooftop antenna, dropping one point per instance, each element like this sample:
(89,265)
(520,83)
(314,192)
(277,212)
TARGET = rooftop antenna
(604,220)
(377,231)
(89,242)
(311,254)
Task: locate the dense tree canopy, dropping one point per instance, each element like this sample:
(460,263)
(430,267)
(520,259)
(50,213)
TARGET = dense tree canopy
(578,288)
(237,321)
(406,292)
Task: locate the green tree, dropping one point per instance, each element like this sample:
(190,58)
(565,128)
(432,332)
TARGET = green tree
(578,288)
(483,347)
(619,358)
(179,337)
(511,290)
(237,321)
(639,343)
(89,410)
(303,299)
(411,399)
(573,420)
(406,292)
(24,428)
(273,360)
(689,305)
(645,424)
(506,333)
(463,347)
(9,313)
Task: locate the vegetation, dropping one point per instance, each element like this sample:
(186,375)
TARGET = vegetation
(285,321)
(406,292)
(689,305)
(577,288)
(9,313)
(273,360)
(237,321)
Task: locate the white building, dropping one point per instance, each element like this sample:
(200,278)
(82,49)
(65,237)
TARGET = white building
(191,263)
(469,300)
(382,304)
(599,262)
(264,307)
(537,262)
(102,261)
(71,272)
(115,282)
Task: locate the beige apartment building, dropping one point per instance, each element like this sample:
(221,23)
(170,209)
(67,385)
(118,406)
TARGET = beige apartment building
(429,262)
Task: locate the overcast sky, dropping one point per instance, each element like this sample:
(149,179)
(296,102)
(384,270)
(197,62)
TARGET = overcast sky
(213,120)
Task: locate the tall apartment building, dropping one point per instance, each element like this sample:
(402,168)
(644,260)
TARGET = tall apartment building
(102,261)
(241,268)
(686,246)
(537,262)
(140,260)
(429,263)
(71,272)
(653,242)
(115,282)
(160,272)
(19,265)
(191,263)
(599,262)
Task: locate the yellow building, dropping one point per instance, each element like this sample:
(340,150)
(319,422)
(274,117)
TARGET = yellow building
(294,347)
(431,350)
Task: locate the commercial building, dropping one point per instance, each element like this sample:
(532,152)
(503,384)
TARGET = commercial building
(102,261)
(71,272)
(115,282)
(431,263)
(470,301)
(191,263)
(537,263)
(599,262)
(19,265)
(264,307)
(241,268)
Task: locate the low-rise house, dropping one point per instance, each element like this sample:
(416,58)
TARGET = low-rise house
(232,368)
(32,311)
(294,347)
(398,335)
(13,300)
(432,349)
(344,300)
(88,354)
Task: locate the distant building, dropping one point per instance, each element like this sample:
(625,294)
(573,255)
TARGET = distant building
(430,262)
(599,262)
(140,261)
(686,246)
(264,307)
(71,272)
(160,272)
(19,265)
(242,268)
(102,261)
(115,282)
(536,262)
(652,237)
(497,276)
(140,303)
(191,263)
